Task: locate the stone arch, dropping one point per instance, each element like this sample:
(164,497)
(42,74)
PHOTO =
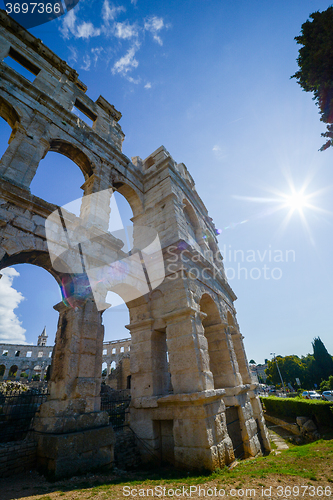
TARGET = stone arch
(34,257)
(12,371)
(9,122)
(74,153)
(230,319)
(2,370)
(130,193)
(211,322)
(9,113)
(193,225)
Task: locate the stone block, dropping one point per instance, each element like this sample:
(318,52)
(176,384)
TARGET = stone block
(64,455)
(24,223)
(12,246)
(40,231)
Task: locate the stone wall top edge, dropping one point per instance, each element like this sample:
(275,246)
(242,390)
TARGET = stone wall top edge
(36,45)
(17,35)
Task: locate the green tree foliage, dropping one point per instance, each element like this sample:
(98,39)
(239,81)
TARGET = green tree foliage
(315,61)
(323,360)
(327,385)
(291,367)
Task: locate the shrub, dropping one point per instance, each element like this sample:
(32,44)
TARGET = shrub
(320,411)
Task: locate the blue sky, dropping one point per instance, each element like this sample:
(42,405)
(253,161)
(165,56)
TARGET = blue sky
(210,80)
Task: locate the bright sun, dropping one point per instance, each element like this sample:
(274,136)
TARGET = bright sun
(296,201)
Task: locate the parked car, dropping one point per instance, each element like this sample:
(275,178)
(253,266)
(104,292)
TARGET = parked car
(327,395)
(311,395)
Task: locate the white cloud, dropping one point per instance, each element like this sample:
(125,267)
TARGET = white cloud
(109,13)
(70,28)
(87,62)
(154,24)
(125,30)
(72,59)
(127,62)
(11,331)
(68,24)
(220,153)
(134,2)
(134,80)
(96,52)
(87,30)
(148,85)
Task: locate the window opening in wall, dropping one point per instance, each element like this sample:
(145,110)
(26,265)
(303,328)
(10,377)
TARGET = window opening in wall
(21,65)
(104,369)
(29,354)
(113,366)
(84,113)
(50,354)
(40,354)
(5,353)
(17,354)
(122,349)
(2,370)
(114,350)
(105,351)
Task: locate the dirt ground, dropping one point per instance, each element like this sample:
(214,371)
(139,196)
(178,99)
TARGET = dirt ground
(31,486)
(299,472)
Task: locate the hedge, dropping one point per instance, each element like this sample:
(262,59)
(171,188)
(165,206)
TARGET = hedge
(320,411)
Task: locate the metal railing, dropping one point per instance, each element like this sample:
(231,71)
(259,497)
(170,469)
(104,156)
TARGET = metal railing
(17,412)
(117,406)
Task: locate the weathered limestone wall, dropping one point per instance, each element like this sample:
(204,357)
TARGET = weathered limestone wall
(183,326)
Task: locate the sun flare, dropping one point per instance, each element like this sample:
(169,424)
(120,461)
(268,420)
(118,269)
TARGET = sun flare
(296,201)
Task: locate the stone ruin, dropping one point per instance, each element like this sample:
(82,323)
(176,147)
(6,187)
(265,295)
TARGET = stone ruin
(193,403)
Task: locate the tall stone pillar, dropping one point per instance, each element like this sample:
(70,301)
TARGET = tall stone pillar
(26,148)
(222,362)
(237,340)
(72,432)
(188,353)
(149,379)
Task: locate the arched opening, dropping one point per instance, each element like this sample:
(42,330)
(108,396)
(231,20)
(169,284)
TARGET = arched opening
(130,195)
(58,179)
(9,122)
(27,296)
(2,370)
(219,348)
(117,316)
(12,372)
(113,366)
(192,223)
(212,330)
(104,369)
(230,319)
(5,133)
